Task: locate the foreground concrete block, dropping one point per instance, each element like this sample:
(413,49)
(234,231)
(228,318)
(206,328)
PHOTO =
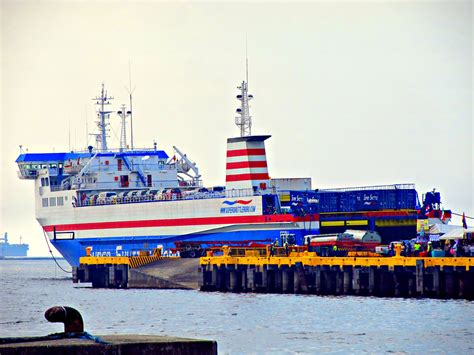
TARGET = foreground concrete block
(116,344)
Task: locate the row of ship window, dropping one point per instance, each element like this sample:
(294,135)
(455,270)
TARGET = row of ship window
(42,166)
(53,201)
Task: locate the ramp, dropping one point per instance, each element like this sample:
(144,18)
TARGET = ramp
(167,273)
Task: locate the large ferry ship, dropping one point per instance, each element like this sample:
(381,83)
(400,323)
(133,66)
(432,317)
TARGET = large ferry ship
(121,201)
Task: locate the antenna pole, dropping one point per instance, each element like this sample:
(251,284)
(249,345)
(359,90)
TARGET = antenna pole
(131,109)
(246,62)
(244,120)
(69,135)
(131,122)
(87,130)
(103,116)
(103,131)
(123,113)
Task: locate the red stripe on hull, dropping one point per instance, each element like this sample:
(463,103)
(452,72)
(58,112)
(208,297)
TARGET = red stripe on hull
(245,177)
(247,164)
(282,218)
(369,214)
(245,152)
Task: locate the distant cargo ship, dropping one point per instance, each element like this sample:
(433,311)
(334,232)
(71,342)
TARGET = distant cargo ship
(7,249)
(120,201)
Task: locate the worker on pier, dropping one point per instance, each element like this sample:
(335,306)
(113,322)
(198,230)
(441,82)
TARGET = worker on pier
(334,250)
(466,250)
(456,249)
(429,248)
(392,249)
(286,249)
(408,249)
(417,248)
(272,250)
(447,248)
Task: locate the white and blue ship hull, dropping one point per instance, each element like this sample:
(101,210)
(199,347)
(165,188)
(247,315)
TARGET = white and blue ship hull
(125,229)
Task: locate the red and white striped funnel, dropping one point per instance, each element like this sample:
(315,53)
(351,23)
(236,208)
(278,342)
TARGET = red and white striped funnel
(246,166)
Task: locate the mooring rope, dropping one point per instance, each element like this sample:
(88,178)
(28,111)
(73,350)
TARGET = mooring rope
(54,336)
(460,215)
(52,255)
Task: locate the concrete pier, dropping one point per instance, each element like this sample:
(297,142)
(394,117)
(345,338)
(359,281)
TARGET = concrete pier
(115,345)
(308,273)
(163,273)
(372,281)
(74,340)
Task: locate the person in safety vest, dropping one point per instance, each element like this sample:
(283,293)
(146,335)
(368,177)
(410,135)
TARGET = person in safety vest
(429,248)
(417,248)
(334,249)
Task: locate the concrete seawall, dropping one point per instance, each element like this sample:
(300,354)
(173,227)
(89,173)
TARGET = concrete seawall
(115,345)
(75,340)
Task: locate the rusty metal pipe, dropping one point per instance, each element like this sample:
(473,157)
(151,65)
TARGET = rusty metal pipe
(71,318)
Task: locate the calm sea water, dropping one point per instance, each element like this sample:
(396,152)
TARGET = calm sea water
(241,323)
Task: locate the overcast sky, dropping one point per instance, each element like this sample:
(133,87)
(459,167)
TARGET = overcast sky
(353,93)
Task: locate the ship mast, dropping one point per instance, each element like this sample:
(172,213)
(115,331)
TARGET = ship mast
(130,92)
(244,120)
(123,113)
(103,117)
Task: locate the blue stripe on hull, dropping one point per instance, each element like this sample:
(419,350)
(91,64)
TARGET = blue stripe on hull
(73,249)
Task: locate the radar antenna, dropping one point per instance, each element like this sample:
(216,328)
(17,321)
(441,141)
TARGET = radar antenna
(102,117)
(244,120)
(123,113)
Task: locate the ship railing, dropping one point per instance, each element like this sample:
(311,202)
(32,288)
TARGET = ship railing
(377,187)
(94,201)
(166,196)
(117,150)
(248,192)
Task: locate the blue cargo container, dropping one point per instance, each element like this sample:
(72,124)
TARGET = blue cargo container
(375,198)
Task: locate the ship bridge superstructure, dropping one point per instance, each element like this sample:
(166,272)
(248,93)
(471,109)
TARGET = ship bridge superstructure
(91,170)
(56,164)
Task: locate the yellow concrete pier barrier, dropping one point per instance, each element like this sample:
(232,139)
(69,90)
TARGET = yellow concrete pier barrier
(264,270)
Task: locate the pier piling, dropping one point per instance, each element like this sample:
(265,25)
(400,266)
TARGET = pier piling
(308,273)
